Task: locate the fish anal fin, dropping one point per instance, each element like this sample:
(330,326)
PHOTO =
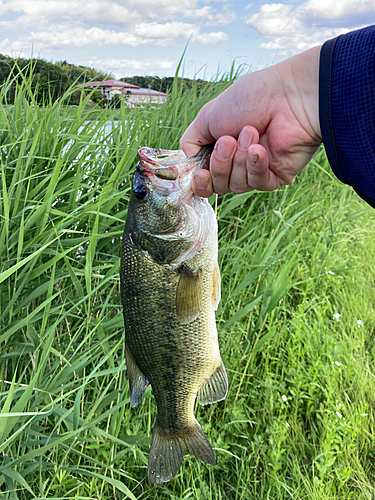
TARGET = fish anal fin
(168,449)
(215,388)
(137,380)
(216,287)
(189,301)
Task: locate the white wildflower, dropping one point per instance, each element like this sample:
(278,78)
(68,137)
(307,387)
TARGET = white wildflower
(359,323)
(340,405)
(338,414)
(337,363)
(330,272)
(288,425)
(337,316)
(284,398)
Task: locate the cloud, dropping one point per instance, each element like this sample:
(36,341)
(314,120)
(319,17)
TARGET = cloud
(61,37)
(226,16)
(63,24)
(120,67)
(292,29)
(202,13)
(333,9)
(115,12)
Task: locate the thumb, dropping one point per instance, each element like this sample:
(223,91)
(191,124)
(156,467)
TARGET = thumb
(198,133)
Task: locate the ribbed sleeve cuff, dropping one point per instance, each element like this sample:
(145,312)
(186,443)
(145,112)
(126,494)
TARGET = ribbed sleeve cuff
(336,111)
(325,106)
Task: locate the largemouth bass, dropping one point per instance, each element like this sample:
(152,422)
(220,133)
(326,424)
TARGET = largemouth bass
(170,288)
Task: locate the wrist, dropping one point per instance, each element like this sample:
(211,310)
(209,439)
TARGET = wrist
(304,96)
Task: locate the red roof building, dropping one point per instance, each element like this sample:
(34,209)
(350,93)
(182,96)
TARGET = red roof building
(134,95)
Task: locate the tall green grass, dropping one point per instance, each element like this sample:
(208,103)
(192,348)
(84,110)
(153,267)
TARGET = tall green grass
(290,260)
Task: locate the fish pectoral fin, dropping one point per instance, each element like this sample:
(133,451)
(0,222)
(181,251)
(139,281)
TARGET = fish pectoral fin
(189,301)
(216,287)
(215,388)
(168,449)
(137,380)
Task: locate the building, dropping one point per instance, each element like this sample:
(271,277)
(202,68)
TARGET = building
(139,97)
(133,95)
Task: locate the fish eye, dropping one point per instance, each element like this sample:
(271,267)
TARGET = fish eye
(140,192)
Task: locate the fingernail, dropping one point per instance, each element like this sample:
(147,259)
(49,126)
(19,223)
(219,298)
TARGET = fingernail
(253,156)
(224,150)
(202,181)
(245,139)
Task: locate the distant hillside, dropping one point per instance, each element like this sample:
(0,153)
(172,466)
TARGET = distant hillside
(48,80)
(51,80)
(81,74)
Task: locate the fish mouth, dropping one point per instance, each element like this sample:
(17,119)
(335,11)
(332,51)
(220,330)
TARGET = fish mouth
(170,165)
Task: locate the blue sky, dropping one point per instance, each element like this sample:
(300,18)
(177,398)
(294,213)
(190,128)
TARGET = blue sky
(139,37)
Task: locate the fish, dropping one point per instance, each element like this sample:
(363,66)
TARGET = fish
(170,290)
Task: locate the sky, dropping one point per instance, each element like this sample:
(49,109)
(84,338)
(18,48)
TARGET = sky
(148,37)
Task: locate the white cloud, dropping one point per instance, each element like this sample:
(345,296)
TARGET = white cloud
(116,12)
(209,38)
(156,30)
(61,37)
(333,9)
(291,29)
(120,67)
(202,13)
(64,24)
(275,19)
(226,16)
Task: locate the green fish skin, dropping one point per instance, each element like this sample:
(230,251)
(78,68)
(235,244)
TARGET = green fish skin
(170,288)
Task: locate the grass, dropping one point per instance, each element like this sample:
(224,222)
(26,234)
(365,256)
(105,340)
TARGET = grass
(298,421)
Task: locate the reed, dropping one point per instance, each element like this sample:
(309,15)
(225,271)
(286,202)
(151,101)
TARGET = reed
(66,428)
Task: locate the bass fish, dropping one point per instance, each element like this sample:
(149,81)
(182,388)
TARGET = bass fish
(170,288)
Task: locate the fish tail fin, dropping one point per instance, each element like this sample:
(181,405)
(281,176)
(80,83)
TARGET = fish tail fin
(168,449)
(194,442)
(165,457)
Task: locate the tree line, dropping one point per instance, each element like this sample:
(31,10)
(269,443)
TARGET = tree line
(49,81)
(165,83)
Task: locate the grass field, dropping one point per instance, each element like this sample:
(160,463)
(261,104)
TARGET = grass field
(296,321)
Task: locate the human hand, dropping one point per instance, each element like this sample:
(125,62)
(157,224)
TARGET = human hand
(266,126)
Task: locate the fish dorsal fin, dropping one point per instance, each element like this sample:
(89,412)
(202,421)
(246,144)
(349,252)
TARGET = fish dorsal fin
(215,388)
(216,287)
(137,380)
(189,295)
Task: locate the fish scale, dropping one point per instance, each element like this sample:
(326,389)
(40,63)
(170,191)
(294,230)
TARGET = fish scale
(169,309)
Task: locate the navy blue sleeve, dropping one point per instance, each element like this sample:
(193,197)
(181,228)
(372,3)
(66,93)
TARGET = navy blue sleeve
(347,108)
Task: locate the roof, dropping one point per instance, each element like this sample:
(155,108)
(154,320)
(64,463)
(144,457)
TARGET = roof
(140,91)
(109,83)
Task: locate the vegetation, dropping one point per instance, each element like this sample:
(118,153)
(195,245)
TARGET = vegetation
(298,421)
(165,83)
(48,81)
(81,74)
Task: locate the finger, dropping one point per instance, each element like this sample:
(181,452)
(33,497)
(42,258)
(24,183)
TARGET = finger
(198,133)
(202,183)
(259,175)
(238,178)
(221,163)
